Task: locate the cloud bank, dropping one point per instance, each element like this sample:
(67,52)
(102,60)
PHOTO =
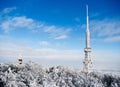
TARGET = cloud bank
(11,23)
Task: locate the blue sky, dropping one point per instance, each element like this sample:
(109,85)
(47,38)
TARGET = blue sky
(52,32)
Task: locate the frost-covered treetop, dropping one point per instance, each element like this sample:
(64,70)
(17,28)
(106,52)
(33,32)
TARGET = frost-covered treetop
(33,75)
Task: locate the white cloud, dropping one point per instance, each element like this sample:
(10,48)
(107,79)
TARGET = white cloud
(77,19)
(13,50)
(61,37)
(106,27)
(94,15)
(12,23)
(57,32)
(22,22)
(4,13)
(104,30)
(106,58)
(44,43)
(112,39)
(8,10)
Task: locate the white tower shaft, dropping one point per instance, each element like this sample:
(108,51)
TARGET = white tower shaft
(87,30)
(87,60)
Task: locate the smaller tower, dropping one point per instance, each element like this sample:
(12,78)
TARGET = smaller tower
(20,60)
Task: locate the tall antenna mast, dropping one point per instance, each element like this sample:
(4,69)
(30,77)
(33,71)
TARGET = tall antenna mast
(87,63)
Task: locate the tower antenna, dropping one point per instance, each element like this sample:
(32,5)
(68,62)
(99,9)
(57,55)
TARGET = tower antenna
(87,62)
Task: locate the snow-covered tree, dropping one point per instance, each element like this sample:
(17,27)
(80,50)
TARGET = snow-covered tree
(33,75)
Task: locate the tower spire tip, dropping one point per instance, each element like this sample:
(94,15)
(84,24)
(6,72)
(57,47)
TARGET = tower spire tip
(87,9)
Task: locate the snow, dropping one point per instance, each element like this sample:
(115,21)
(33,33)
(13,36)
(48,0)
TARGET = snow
(33,75)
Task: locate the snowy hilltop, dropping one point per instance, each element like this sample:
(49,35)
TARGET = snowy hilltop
(34,75)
